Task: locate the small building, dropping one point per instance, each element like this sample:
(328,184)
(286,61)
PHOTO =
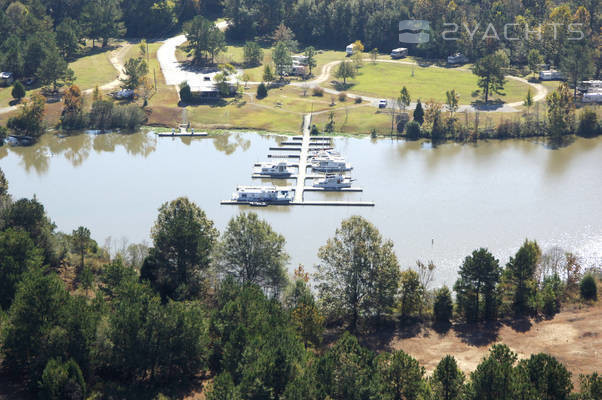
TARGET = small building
(551,75)
(204,92)
(349,49)
(399,52)
(6,78)
(457,58)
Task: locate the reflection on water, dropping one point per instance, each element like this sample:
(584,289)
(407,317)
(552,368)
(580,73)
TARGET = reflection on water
(435,203)
(76,148)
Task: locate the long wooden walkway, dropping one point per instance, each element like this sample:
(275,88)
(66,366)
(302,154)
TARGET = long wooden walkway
(303,160)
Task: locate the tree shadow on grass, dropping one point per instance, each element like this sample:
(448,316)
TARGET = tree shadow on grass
(491,105)
(340,86)
(522,324)
(478,334)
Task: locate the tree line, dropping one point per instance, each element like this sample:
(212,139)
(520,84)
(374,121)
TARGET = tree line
(199,304)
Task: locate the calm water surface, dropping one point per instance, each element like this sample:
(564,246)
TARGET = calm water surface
(434,203)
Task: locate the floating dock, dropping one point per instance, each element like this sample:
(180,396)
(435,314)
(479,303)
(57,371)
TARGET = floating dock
(301,145)
(183,132)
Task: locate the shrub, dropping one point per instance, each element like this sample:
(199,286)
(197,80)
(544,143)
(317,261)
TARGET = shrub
(588,288)
(318,91)
(262,91)
(413,130)
(443,306)
(104,115)
(314,130)
(549,295)
(128,117)
(342,96)
(185,93)
(402,120)
(62,381)
(588,124)
(18,91)
(74,120)
(358,99)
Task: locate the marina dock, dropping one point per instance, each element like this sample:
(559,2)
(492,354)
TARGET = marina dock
(301,146)
(183,132)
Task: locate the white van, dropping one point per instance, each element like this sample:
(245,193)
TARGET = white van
(349,49)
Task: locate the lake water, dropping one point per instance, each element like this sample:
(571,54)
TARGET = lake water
(434,203)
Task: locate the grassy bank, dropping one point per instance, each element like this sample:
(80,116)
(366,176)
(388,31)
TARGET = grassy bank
(387,79)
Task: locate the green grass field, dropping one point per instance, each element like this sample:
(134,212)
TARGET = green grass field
(94,70)
(5,96)
(386,80)
(281,111)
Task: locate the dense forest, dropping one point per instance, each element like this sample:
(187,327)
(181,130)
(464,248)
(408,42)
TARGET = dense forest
(200,308)
(39,29)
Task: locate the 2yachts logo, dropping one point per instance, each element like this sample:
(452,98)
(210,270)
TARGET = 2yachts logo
(412,31)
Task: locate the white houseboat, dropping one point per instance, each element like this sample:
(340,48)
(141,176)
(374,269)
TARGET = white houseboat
(262,194)
(333,182)
(330,164)
(279,169)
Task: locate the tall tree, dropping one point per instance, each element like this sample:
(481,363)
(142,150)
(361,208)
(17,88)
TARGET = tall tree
(411,294)
(18,91)
(448,380)
(490,70)
(134,70)
(145,339)
(205,40)
(310,53)
(18,254)
(102,19)
(561,112)
(52,68)
(30,216)
(358,273)
(521,273)
(253,54)
(419,113)
(476,286)
(251,252)
(281,55)
(404,98)
(81,240)
(68,38)
(345,71)
(542,376)
(183,239)
(493,377)
(398,376)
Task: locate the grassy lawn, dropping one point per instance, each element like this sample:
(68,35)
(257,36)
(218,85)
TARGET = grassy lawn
(94,69)
(166,95)
(386,79)
(281,111)
(5,96)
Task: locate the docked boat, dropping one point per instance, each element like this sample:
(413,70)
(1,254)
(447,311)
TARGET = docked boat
(323,153)
(279,169)
(330,164)
(262,194)
(333,182)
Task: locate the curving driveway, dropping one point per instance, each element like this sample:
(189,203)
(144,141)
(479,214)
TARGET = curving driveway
(175,73)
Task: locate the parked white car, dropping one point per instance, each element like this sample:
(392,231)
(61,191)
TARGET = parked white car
(382,103)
